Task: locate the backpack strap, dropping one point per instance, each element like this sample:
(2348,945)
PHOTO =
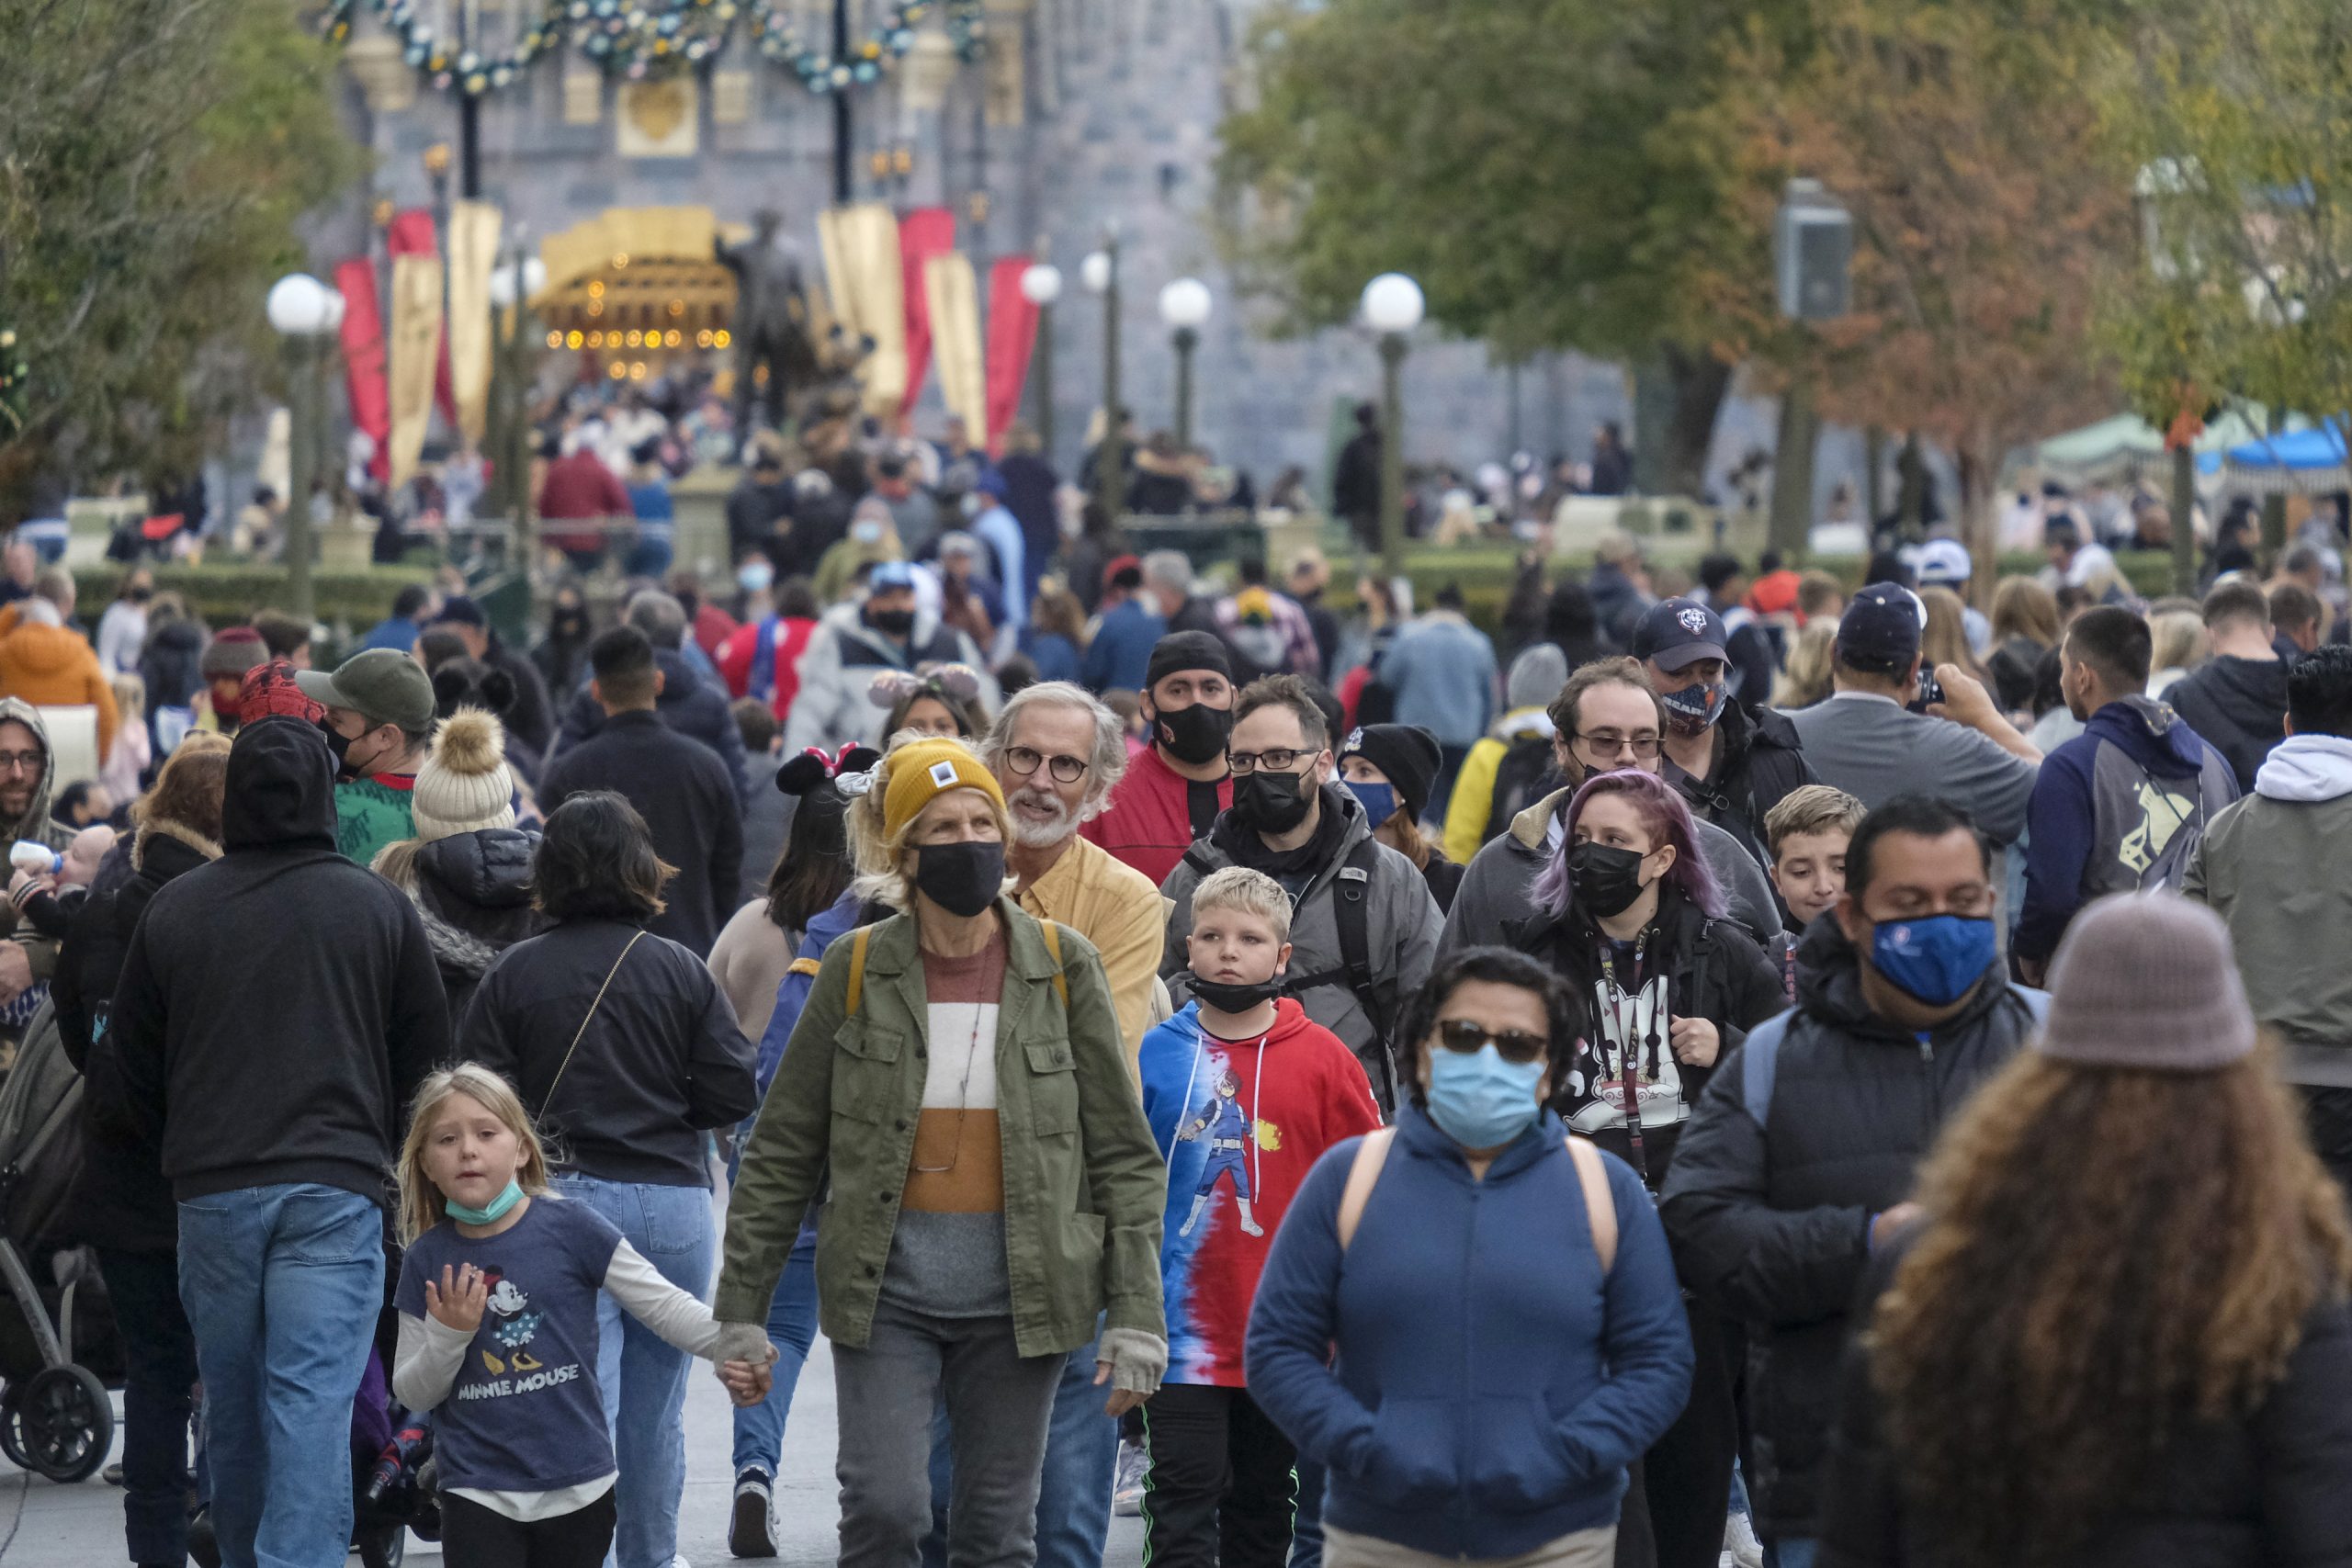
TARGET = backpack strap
(856,970)
(1197,859)
(1599,1204)
(1053,935)
(1364,1175)
(1351,915)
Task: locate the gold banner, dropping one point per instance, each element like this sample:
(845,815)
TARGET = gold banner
(473,252)
(868,283)
(414,339)
(953,296)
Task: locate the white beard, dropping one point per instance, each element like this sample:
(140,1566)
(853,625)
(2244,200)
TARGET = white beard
(1032,835)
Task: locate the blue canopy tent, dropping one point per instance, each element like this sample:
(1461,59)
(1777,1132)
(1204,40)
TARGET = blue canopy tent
(2308,461)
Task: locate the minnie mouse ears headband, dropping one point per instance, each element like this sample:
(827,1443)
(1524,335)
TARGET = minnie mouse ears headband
(893,686)
(849,771)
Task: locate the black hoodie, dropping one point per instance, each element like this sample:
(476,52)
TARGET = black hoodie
(279,1006)
(2238,706)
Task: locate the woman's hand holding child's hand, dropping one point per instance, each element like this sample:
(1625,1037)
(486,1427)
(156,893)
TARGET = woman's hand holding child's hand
(457,1301)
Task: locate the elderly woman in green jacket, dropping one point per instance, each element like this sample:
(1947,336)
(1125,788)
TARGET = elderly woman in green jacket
(957,1090)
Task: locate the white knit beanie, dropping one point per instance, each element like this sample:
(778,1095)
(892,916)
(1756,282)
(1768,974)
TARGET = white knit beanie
(464,785)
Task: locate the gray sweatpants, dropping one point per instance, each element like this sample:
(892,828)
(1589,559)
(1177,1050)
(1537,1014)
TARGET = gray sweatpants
(999,1403)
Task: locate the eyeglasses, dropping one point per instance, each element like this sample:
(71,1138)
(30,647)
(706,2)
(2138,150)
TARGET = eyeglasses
(1470,1037)
(1609,743)
(22,761)
(1024,759)
(1279,759)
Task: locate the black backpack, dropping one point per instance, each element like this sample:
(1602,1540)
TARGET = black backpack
(1525,775)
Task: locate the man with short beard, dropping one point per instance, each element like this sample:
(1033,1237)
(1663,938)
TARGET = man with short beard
(1057,751)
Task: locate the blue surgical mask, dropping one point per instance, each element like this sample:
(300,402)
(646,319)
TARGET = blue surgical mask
(754,576)
(1379,800)
(1481,1100)
(490,1214)
(1935,959)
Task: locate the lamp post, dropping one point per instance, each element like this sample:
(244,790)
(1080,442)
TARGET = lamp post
(512,289)
(1184,306)
(1041,284)
(1392,307)
(1099,272)
(303,310)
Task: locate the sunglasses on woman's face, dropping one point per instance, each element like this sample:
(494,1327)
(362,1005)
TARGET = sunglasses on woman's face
(1470,1037)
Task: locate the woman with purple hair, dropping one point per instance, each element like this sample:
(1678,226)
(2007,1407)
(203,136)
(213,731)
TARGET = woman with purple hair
(1628,912)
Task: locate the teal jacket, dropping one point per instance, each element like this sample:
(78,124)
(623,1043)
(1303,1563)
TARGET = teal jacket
(1084,1184)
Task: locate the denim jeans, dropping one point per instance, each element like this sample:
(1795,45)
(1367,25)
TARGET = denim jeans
(282,1286)
(1791,1551)
(792,1328)
(158,1398)
(643,1379)
(1074,1489)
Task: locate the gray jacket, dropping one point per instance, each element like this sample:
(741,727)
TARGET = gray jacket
(835,706)
(1496,889)
(2277,867)
(1401,926)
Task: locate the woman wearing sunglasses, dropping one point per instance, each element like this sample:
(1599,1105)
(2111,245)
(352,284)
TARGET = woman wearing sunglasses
(1510,1333)
(1628,913)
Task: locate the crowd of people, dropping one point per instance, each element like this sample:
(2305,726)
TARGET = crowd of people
(1724,1063)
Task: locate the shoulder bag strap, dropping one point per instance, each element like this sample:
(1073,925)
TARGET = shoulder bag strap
(1053,935)
(1600,1207)
(548,1099)
(1364,1175)
(856,970)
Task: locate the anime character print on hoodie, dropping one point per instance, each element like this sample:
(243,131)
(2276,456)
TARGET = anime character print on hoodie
(1241,1123)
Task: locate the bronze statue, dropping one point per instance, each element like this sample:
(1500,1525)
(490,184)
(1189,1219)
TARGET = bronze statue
(770,325)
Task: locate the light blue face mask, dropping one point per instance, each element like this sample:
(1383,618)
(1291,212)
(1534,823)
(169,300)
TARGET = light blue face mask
(1379,800)
(497,1208)
(1481,1100)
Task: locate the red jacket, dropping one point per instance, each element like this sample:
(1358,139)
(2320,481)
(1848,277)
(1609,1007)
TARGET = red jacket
(580,487)
(736,655)
(1149,821)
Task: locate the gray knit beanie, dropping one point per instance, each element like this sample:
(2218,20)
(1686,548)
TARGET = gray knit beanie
(1536,676)
(2147,980)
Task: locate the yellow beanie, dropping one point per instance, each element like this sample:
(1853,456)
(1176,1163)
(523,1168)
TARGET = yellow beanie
(924,769)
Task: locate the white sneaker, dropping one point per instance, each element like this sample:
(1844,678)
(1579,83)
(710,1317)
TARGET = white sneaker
(1126,1489)
(1741,1548)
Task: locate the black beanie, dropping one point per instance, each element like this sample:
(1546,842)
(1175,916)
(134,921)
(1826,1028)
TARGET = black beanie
(1406,753)
(1186,650)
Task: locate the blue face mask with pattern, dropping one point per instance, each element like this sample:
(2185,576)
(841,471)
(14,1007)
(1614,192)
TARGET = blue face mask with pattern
(1935,959)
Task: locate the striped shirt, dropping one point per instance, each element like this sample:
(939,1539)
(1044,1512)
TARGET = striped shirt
(947,1253)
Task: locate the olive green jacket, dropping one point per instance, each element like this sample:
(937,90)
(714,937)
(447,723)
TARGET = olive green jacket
(1084,1184)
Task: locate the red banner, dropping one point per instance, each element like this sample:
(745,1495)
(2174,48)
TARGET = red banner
(925,233)
(412,235)
(1012,333)
(362,356)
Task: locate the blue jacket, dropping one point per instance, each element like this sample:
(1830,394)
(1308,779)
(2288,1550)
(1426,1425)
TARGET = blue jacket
(1441,669)
(1054,655)
(2120,806)
(1119,656)
(1491,1384)
(792,992)
(395,632)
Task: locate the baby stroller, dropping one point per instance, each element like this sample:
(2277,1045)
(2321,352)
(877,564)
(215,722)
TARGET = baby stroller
(59,1350)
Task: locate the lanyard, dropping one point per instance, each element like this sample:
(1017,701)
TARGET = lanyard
(1625,1013)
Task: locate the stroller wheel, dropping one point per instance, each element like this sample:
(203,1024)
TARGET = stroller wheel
(64,1423)
(12,1437)
(382,1545)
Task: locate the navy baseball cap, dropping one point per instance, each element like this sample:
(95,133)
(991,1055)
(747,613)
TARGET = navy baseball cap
(890,574)
(1674,633)
(1881,626)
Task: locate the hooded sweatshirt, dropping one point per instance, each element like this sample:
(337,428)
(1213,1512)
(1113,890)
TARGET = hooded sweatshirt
(279,1006)
(37,826)
(2278,868)
(2239,705)
(2119,807)
(1240,1123)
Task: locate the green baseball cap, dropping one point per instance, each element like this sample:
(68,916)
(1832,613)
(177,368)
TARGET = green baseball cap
(383,685)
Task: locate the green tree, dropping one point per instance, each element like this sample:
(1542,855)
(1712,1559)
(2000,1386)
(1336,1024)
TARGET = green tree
(155,156)
(1523,159)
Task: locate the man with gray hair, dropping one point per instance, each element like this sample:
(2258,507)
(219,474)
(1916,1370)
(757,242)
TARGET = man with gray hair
(1167,579)
(694,705)
(1057,751)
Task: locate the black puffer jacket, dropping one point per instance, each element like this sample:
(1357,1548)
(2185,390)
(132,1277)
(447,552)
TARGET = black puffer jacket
(472,890)
(120,1199)
(2247,1493)
(1816,1124)
(1762,761)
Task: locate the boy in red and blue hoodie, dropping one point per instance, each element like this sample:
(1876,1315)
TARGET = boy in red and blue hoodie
(1243,1092)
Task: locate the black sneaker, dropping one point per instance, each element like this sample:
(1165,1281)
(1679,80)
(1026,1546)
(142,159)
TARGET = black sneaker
(752,1531)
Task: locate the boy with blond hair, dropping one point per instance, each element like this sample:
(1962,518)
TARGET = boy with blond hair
(1806,834)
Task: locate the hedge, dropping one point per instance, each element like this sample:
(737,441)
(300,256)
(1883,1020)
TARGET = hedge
(227,593)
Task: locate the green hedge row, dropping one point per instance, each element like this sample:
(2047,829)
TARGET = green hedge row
(228,593)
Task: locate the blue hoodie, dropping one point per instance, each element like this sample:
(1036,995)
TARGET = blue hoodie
(1491,1384)
(2120,806)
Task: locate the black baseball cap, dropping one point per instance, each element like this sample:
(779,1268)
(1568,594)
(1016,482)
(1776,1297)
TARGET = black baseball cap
(1881,626)
(1673,633)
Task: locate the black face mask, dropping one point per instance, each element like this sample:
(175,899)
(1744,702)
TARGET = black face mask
(1608,879)
(339,745)
(1234,998)
(962,879)
(892,623)
(570,622)
(1196,735)
(1270,803)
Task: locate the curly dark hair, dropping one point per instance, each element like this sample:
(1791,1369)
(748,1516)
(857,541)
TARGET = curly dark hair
(1563,1009)
(2114,1256)
(596,862)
